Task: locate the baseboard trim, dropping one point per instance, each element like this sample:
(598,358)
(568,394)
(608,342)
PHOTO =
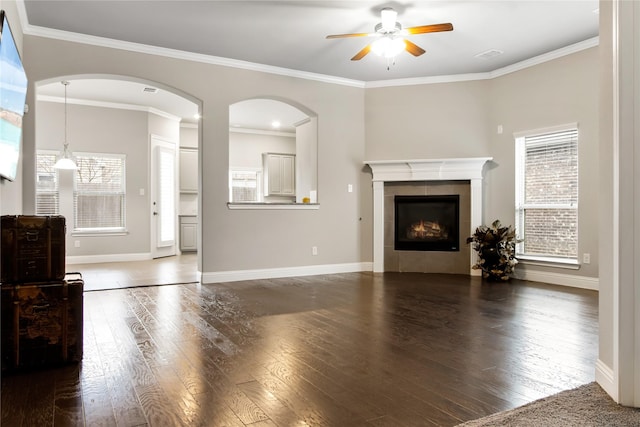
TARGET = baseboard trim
(273,273)
(92,259)
(605,377)
(561,279)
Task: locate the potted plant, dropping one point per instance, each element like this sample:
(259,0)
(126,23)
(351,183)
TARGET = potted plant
(496,247)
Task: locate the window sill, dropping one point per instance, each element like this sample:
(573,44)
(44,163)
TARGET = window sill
(98,233)
(273,206)
(570,264)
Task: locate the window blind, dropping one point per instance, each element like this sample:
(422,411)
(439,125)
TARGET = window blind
(47,193)
(244,186)
(99,196)
(547,194)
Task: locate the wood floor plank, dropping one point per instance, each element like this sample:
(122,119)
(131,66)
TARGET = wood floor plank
(40,399)
(393,349)
(13,400)
(278,412)
(68,407)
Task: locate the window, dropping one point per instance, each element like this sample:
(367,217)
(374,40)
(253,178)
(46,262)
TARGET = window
(245,186)
(47,194)
(99,196)
(547,194)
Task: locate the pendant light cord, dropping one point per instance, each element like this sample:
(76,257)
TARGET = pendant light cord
(66,143)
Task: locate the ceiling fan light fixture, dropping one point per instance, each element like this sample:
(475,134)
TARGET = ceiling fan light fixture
(388,16)
(390,37)
(388,47)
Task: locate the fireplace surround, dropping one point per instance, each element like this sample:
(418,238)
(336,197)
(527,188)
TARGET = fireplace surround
(425,170)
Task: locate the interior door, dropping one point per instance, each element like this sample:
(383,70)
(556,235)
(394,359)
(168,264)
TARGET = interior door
(164,190)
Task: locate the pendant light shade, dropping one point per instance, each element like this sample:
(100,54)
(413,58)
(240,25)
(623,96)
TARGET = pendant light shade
(65,161)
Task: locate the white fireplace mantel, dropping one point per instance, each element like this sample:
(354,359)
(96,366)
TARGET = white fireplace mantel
(457,169)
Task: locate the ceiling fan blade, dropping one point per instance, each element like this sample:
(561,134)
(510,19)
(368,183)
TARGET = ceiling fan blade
(435,28)
(341,36)
(358,56)
(413,48)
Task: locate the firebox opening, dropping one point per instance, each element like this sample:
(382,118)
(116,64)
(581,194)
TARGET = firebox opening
(427,223)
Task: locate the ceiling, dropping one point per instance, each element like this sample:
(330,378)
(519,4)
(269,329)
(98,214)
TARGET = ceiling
(290,35)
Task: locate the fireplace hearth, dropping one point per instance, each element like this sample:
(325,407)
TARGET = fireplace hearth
(427,223)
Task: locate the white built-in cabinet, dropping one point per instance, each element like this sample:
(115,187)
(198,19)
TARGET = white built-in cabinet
(188,199)
(188,233)
(188,170)
(279,174)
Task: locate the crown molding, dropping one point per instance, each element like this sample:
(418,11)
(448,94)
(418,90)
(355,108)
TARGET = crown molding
(262,132)
(114,105)
(33,30)
(537,60)
(549,56)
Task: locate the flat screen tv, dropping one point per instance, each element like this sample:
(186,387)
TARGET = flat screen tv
(13,93)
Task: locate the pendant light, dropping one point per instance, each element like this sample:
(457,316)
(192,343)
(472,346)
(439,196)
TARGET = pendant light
(65,161)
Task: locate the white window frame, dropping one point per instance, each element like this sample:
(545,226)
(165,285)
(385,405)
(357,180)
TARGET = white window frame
(122,193)
(521,206)
(259,188)
(56,177)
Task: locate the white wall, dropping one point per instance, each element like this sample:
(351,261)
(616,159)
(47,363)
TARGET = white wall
(618,366)
(424,121)
(306,159)
(275,239)
(554,93)
(429,121)
(106,130)
(245,149)
(447,120)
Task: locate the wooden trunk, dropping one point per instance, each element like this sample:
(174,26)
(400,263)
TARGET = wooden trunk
(33,248)
(42,323)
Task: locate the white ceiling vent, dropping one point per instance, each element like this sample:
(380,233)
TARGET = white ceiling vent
(488,54)
(147,89)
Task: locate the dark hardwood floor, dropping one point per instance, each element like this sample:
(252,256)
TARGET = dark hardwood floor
(359,349)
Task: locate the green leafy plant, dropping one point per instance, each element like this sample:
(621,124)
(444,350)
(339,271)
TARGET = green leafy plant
(496,247)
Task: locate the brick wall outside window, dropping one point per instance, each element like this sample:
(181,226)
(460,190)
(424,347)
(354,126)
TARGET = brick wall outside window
(547,194)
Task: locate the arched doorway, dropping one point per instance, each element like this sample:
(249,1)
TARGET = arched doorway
(109,117)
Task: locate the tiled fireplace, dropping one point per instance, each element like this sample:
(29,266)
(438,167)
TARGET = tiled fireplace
(439,177)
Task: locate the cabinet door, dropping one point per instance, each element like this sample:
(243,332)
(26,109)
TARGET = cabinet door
(287,175)
(188,234)
(279,174)
(188,170)
(274,174)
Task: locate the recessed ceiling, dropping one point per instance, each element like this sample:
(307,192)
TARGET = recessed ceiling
(290,35)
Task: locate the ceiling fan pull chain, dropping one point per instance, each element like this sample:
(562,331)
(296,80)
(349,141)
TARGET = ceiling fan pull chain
(390,62)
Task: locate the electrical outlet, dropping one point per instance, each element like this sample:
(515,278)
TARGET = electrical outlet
(76,243)
(586,258)
(350,188)
(314,250)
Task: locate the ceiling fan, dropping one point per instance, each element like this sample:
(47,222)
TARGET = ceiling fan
(391,37)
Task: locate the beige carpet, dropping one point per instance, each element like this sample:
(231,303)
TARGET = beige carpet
(585,406)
